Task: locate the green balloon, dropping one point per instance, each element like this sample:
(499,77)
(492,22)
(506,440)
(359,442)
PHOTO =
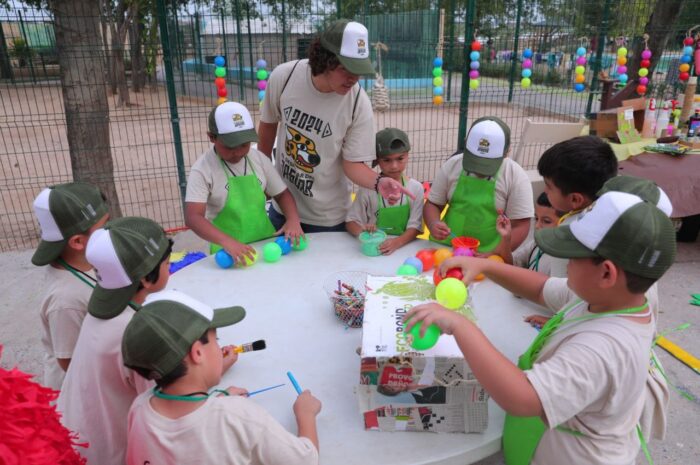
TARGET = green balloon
(473,84)
(643,72)
(248,261)
(437,81)
(432,334)
(272,252)
(262,74)
(580,70)
(301,245)
(437,72)
(220,71)
(525,83)
(407,270)
(451,293)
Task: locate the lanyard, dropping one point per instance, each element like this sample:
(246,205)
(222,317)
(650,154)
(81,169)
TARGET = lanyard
(89,280)
(245,167)
(568,214)
(534,264)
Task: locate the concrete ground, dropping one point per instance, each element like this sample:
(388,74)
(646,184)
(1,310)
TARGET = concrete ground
(20,332)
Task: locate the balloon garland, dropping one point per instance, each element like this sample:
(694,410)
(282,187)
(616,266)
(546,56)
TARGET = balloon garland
(437,81)
(644,65)
(621,65)
(262,76)
(686,58)
(526,72)
(474,65)
(580,70)
(220,80)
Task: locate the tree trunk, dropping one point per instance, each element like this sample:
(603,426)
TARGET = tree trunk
(77,32)
(658,27)
(109,72)
(138,62)
(119,70)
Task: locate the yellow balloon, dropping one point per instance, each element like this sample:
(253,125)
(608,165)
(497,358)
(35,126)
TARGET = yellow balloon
(643,72)
(525,83)
(622,51)
(622,61)
(437,82)
(580,69)
(684,68)
(473,84)
(580,78)
(221,100)
(437,100)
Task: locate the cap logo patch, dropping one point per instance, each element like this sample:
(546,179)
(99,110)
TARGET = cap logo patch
(238,120)
(484,145)
(361,47)
(91,210)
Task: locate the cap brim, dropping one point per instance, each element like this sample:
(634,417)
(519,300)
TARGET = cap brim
(234,139)
(560,242)
(358,66)
(47,252)
(227,316)
(108,303)
(481,165)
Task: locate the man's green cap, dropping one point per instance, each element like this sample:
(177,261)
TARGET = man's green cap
(162,332)
(349,41)
(64,211)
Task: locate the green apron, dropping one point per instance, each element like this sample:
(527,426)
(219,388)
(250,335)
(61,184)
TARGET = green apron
(393,219)
(472,211)
(243,216)
(521,435)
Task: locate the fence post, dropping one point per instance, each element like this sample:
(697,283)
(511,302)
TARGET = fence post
(239,36)
(284,32)
(514,56)
(250,46)
(464,100)
(450,49)
(198,43)
(26,44)
(602,33)
(338,8)
(172,100)
(223,34)
(178,47)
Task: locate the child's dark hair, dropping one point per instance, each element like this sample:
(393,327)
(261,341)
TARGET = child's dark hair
(635,284)
(543,201)
(178,372)
(154,275)
(581,164)
(321,59)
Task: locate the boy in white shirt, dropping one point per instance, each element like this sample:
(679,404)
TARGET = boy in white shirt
(172,340)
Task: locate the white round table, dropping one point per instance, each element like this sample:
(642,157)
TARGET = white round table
(287,306)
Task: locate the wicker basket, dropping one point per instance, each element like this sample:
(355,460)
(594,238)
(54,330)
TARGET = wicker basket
(346,291)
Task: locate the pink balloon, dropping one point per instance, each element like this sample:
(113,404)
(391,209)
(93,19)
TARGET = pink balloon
(622,70)
(581,61)
(646,54)
(473,74)
(262,85)
(644,81)
(527,63)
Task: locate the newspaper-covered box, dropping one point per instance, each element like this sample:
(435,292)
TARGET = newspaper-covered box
(404,390)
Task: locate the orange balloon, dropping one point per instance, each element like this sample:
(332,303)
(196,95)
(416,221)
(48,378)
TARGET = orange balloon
(496,258)
(437,100)
(580,78)
(221,100)
(441,255)
(684,68)
(622,61)
(479,277)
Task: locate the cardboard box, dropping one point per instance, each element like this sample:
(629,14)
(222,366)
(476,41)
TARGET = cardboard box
(604,123)
(401,389)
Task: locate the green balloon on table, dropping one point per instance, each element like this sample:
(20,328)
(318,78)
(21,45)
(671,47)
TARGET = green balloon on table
(407,270)
(432,334)
(301,245)
(451,293)
(272,252)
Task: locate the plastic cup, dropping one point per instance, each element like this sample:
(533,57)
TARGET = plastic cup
(370,242)
(466,242)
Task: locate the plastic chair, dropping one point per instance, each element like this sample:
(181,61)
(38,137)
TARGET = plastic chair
(542,135)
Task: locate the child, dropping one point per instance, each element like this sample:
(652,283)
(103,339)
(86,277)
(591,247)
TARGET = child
(370,211)
(573,172)
(172,340)
(131,259)
(528,254)
(227,188)
(477,185)
(68,214)
(577,393)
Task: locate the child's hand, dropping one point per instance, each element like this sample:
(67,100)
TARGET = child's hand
(431,313)
(306,405)
(537,321)
(503,225)
(471,267)
(369,227)
(238,251)
(236,391)
(439,230)
(291,230)
(230,357)
(389,246)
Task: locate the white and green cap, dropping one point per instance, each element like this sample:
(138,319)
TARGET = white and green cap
(621,227)
(231,123)
(487,143)
(645,189)
(122,253)
(64,211)
(162,332)
(349,41)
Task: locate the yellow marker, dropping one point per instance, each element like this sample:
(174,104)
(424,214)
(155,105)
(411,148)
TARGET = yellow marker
(679,353)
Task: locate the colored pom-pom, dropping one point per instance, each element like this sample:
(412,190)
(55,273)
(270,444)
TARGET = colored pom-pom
(437,100)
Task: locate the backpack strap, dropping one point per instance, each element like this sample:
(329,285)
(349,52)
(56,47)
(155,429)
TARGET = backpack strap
(279,104)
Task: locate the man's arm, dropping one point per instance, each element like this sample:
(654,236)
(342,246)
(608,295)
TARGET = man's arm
(266,136)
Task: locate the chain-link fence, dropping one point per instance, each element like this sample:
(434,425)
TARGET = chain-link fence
(128,109)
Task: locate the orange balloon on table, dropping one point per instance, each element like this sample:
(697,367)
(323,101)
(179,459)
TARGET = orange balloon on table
(495,258)
(441,255)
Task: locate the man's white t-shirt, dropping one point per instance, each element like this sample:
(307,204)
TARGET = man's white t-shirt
(98,390)
(316,132)
(225,430)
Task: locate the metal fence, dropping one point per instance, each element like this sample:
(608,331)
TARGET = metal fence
(155,64)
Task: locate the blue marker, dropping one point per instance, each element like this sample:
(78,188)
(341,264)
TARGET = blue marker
(294,382)
(264,389)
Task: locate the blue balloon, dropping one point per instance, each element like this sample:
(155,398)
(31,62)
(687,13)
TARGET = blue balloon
(261,95)
(414,262)
(527,53)
(580,51)
(437,90)
(474,65)
(686,59)
(437,62)
(579,87)
(261,64)
(623,78)
(285,244)
(223,259)
(219,61)
(526,73)
(687,50)
(474,56)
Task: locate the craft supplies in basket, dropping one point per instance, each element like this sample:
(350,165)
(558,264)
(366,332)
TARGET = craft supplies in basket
(346,291)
